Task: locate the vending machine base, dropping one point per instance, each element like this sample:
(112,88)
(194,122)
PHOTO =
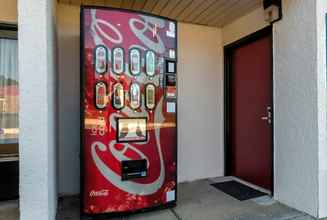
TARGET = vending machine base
(101,216)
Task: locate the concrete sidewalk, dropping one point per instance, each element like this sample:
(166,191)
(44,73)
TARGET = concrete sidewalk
(196,201)
(200,201)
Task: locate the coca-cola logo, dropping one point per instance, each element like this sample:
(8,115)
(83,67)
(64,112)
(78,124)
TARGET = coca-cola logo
(99,193)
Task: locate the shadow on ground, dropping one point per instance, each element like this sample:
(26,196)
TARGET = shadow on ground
(200,201)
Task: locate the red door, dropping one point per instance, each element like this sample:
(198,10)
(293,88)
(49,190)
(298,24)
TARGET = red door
(251,112)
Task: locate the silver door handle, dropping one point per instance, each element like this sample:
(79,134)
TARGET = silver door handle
(269,116)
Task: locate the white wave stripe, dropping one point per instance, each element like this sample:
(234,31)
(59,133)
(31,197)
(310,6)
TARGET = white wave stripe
(159,46)
(95,28)
(114,178)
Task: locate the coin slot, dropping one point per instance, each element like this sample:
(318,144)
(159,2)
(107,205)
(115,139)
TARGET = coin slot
(170,80)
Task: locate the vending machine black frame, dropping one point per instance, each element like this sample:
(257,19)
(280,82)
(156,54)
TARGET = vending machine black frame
(82,83)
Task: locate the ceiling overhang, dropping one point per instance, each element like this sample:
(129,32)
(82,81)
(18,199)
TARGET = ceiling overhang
(217,13)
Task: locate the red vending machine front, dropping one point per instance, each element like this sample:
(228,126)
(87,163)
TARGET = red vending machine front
(129,104)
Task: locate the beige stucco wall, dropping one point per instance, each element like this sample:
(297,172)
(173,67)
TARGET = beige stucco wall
(244,26)
(200,110)
(201,100)
(68,98)
(8,11)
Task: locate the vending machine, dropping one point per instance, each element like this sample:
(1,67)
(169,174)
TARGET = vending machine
(128,111)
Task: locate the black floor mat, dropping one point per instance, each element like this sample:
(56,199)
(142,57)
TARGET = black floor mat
(238,190)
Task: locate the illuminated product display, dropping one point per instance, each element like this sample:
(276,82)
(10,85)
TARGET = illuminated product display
(150,63)
(135,61)
(118,60)
(131,129)
(129,105)
(150,96)
(118,98)
(100,95)
(101,58)
(135,96)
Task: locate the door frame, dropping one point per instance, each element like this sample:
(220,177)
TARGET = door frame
(227,95)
